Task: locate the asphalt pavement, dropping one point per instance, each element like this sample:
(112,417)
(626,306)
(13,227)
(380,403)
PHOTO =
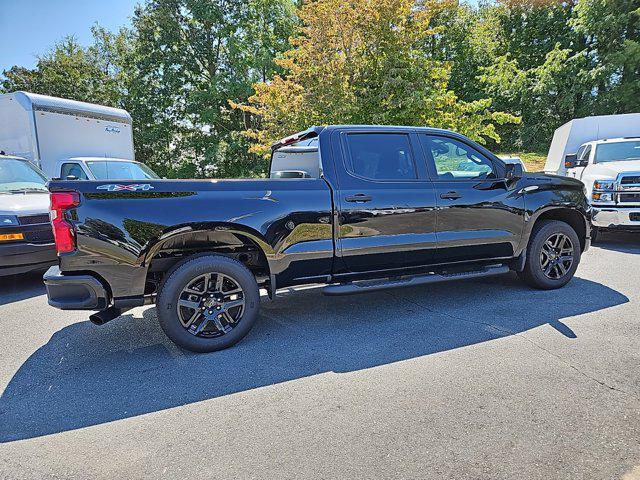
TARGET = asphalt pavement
(483,379)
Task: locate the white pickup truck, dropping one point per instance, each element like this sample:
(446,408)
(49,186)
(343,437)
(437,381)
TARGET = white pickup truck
(604,153)
(610,171)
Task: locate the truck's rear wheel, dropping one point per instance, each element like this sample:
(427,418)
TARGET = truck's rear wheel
(208,303)
(553,255)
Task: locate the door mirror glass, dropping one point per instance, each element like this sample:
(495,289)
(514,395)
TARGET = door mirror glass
(570,160)
(514,171)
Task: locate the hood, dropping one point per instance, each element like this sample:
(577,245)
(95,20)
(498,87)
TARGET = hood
(612,169)
(24,203)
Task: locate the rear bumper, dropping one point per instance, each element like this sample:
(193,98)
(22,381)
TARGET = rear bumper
(75,292)
(612,217)
(18,258)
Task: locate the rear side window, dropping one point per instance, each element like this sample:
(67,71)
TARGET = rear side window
(381,156)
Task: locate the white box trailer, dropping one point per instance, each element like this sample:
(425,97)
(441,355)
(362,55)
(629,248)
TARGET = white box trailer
(570,136)
(60,136)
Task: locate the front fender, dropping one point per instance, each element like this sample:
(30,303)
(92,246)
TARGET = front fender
(553,200)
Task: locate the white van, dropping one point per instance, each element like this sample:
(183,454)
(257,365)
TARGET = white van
(69,139)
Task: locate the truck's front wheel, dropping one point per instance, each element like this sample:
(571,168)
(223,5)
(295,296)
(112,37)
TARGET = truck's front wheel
(208,303)
(553,255)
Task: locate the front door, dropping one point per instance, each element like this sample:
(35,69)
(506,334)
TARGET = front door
(479,217)
(386,203)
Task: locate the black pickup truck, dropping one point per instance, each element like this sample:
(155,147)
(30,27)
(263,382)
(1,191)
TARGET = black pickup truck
(358,208)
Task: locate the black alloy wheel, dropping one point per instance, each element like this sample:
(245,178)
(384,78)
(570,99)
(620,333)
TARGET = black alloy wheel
(556,256)
(552,255)
(208,302)
(211,305)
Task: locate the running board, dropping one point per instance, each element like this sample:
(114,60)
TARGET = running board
(383,284)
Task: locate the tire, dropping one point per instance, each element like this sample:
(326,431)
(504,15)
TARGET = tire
(198,277)
(537,262)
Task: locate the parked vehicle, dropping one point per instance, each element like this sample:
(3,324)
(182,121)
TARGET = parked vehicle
(510,159)
(382,207)
(69,139)
(26,238)
(604,153)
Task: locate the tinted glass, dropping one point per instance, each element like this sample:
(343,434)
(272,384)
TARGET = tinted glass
(121,171)
(612,152)
(455,160)
(20,175)
(72,169)
(585,154)
(381,156)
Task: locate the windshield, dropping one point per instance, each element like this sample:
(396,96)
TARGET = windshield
(616,151)
(104,170)
(18,176)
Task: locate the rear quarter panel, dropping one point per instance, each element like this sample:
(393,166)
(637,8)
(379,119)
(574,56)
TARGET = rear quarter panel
(118,232)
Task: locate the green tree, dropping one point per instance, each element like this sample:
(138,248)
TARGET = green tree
(611,29)
(69,70)
(364,62)
(191,58)
(536,69)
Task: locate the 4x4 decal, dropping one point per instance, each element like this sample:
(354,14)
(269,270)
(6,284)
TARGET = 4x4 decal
(113,187)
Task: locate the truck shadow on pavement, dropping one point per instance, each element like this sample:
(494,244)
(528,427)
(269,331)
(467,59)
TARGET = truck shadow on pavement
(624,242)
(14,288)
(87,375)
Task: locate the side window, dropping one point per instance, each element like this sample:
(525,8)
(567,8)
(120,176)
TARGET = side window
(585,154)
(455,160)
(381,156)
(580,152)
(72,169)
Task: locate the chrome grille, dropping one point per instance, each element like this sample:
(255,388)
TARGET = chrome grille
(628,189)
(41,235)
(629,197)
(33,219)
(630,180)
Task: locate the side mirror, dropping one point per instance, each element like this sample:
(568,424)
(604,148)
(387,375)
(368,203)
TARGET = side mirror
(570,160)
(514,172)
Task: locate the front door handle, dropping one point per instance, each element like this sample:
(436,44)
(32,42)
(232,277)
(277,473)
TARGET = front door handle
(450,195)
(359,197)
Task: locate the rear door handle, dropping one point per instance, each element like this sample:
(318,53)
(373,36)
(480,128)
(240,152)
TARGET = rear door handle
(450,196)
(359,197)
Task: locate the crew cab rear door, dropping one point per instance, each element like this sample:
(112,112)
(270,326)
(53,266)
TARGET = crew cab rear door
(479,217)
(386,204)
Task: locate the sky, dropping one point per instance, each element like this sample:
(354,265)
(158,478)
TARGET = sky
(31,27)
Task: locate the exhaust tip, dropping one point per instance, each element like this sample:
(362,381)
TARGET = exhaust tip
(104,316)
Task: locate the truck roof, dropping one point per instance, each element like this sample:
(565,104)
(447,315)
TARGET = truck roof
(12,157)
(610,140)
(34,101)
(315,130)
(100,159)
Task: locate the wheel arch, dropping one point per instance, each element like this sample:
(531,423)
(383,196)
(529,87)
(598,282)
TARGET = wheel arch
(236,241)
(570,216)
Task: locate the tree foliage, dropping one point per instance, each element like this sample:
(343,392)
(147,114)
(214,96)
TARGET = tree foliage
(364,62)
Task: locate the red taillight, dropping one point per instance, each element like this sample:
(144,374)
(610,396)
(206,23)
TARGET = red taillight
(63,230)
